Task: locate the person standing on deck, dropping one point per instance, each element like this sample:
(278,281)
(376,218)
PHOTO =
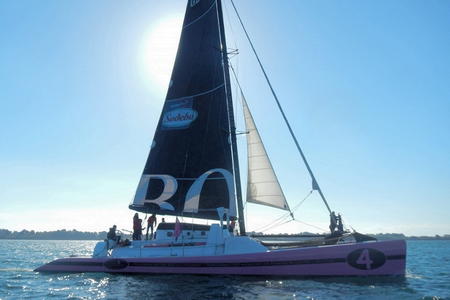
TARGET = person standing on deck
(232,224)
(340,225)
(151,222)
(333,220)
(137,227)
(139,231)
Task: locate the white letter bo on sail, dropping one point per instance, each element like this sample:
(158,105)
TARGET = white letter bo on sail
(193,195)
(191,203)
(170,187)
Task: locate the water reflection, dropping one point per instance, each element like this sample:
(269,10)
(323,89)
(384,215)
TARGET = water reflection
(428,275)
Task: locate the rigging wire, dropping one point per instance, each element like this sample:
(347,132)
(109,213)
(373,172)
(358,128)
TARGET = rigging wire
(276,222)
(301,202)
(230,24)
(277,225)
(239,95)
(231,122)
(304,223)
(282,218)
(314,181)
(241,102)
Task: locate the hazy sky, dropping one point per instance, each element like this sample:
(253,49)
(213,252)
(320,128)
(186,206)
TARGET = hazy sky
(365,84)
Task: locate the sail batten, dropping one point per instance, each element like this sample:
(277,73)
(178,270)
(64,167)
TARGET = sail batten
(201,93)
(262,183)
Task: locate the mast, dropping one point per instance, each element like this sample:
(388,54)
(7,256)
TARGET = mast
(237,176)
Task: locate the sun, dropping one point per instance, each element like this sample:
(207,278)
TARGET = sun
(159,50)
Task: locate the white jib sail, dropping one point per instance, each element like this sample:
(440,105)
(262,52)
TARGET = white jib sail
(262,183)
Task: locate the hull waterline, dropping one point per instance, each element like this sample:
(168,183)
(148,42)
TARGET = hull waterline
(360,259)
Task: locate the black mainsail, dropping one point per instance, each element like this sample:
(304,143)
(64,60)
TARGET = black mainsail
(189,170)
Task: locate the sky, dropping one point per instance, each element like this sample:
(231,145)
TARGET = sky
(365,85)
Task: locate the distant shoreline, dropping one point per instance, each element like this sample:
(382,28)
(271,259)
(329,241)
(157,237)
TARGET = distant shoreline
(378,236)
(64,234)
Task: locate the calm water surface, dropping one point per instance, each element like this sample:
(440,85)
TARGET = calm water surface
(428,277)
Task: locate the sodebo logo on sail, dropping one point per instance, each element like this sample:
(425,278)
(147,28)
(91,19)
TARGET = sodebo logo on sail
(179,118)
(178,114)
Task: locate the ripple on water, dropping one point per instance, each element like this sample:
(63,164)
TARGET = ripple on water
(428,277)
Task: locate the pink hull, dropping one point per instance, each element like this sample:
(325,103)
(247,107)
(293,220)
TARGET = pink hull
(361,259)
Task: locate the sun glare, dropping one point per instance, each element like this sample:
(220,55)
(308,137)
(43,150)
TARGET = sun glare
(159,50)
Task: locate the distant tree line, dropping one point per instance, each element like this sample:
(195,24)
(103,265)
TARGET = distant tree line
(396,236)
(378,236)
(52,235)
(64,234)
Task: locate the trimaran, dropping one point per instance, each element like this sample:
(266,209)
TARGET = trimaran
(193,170)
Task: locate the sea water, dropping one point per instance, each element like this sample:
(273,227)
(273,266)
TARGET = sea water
(428,277)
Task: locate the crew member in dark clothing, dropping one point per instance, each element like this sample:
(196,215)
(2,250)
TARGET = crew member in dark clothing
(151,222)
(333,222)
(139,230)
(232,224)
(112,234)
(340,225)
(137,227)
